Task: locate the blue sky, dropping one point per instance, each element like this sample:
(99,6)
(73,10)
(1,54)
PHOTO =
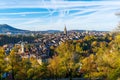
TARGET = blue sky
(54,14)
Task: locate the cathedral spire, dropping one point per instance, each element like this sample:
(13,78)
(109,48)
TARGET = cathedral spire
(65,30)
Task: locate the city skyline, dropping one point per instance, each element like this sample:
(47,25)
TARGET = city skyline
(54,14)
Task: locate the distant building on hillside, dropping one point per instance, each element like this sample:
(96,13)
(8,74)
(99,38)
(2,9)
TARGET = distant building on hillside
(8,33)
(65,31)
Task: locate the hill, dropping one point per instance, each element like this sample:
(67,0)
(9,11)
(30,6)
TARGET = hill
(4,28)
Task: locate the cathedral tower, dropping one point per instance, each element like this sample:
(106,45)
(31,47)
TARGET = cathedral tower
(65,31)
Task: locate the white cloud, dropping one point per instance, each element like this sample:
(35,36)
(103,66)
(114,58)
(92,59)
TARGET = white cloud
(52,4)
(23,13)
(102,13)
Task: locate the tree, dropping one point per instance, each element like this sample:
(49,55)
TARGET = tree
(2,62)
(69,58)
(89,66)
(56,67)
(13,64)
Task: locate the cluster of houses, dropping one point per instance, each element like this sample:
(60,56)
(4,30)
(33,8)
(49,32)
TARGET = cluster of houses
(40,48)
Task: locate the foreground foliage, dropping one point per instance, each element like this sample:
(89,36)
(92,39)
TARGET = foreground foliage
(91,57)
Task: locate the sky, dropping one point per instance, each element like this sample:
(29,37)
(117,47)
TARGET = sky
(37,15)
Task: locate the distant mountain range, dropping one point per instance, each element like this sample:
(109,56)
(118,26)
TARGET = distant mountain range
(86,30)
(4,28)
(50,31)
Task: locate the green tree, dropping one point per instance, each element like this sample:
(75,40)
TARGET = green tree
(13,64)
(2,62)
